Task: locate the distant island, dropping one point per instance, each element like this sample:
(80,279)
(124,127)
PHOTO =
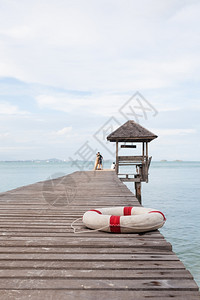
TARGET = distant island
(37,160)
(50,160)
(177,160)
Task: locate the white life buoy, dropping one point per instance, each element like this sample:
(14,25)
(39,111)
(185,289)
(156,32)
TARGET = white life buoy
(124,219)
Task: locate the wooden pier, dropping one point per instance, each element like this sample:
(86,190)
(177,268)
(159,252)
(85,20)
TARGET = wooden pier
(42,258)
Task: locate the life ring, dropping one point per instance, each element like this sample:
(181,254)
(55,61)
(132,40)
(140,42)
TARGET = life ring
(124,219)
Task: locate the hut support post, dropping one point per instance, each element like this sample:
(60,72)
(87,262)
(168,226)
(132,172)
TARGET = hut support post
(146,163)
(143,150)
(146,149)
(117,161)
(138,192)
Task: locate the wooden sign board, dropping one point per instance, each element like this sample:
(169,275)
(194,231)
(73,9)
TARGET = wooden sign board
(128,146)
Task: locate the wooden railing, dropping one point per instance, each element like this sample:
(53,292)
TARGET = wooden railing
(132,158)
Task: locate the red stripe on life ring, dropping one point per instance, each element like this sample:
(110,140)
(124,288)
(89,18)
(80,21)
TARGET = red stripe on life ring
(97,211)
(157,211)
(127,210)
(115,224)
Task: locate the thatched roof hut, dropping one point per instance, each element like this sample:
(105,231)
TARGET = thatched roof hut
(131,132)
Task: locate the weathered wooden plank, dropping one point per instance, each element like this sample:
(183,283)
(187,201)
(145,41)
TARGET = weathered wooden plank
(66,232)
(88,265)
(100,284)
(91,295)
(80,250)
(90,257)
(95,274)
(86,242)
(66,228)
(82,201)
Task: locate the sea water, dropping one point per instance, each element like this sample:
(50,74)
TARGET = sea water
(173,188)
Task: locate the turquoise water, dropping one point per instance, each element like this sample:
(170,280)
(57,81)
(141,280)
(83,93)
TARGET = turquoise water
(173,188)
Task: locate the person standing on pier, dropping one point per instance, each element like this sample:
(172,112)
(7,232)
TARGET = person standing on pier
(98,162)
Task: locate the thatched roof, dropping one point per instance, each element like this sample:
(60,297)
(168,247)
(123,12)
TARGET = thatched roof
(131,132)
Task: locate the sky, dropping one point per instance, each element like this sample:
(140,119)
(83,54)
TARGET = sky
(73,71)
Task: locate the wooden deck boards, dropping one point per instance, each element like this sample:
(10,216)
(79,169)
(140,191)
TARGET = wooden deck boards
(42,258)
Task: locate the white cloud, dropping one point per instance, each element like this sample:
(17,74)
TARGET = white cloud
(98,104)
(9,109)
(17,148)
(58,102)
(102,45)
(64,131)
(170,132)
(188,13)
(19,32)
(108,48)
(107,104)
(4,135)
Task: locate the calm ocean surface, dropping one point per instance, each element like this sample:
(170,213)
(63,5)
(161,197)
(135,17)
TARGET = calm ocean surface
(173,188)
